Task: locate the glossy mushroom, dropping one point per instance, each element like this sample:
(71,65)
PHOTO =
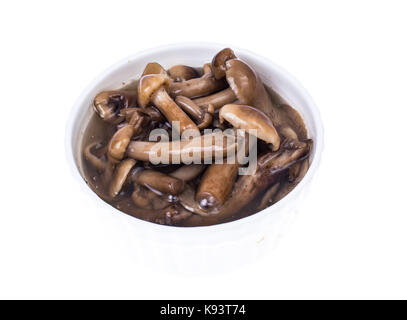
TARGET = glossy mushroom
(202,115)
(118,143)
(247,117)
(154,89)
(205,147)
(198,87)
(159,181)
(154,68)
(120,176)
(219,62)
(108,104)
(218,180)
(218,99)
(216,184)
(188,172)
(244,85)
(270,166)
(182,73)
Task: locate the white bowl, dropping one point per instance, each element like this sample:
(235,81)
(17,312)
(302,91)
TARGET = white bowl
(199,249)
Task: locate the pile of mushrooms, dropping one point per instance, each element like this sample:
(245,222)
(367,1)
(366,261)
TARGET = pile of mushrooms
(226,94)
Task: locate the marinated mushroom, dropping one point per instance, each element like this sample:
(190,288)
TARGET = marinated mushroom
(188,172)
(246,117)
(198,87)
(203,148)
(120,176)
(118,143)
(154,88)
(244,85)
(270,167)
(219,62)
(108,104)
(216,184)
(182,73)
(163,178)
(159,181)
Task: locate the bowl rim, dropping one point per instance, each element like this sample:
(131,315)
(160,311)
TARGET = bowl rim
(315,115)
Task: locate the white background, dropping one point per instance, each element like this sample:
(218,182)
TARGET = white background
(351,235)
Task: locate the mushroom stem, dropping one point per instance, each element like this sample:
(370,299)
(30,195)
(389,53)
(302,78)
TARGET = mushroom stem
(197,87)
(188,172)
(107,104)
(203,148)
(153,89)
(216,184)
(172,112)
(96,162)
(218,99)
(118,143)
(202,115)
(159,181)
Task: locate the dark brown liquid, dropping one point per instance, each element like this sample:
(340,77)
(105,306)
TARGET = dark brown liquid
(100,131)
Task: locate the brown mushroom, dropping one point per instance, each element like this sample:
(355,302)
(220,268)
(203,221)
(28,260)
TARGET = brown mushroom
(205,148)
(216,184)
(159,181)
(188,172)
(243,84)
(108,104)
(154,68)
(120,176)
(239,73)
(153,89)
(247,117)
(203,115)
(198,87)
(218,99)
(118,143)
(182,73)
(207,70)
(219,62)
(270,166)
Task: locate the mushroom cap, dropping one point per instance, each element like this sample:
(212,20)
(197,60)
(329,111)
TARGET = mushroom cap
(154,68)
(181,72)
(219,62)
(120,176)
(118,143)
(247,117)
(242,80)
(148,85)
(107,104)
